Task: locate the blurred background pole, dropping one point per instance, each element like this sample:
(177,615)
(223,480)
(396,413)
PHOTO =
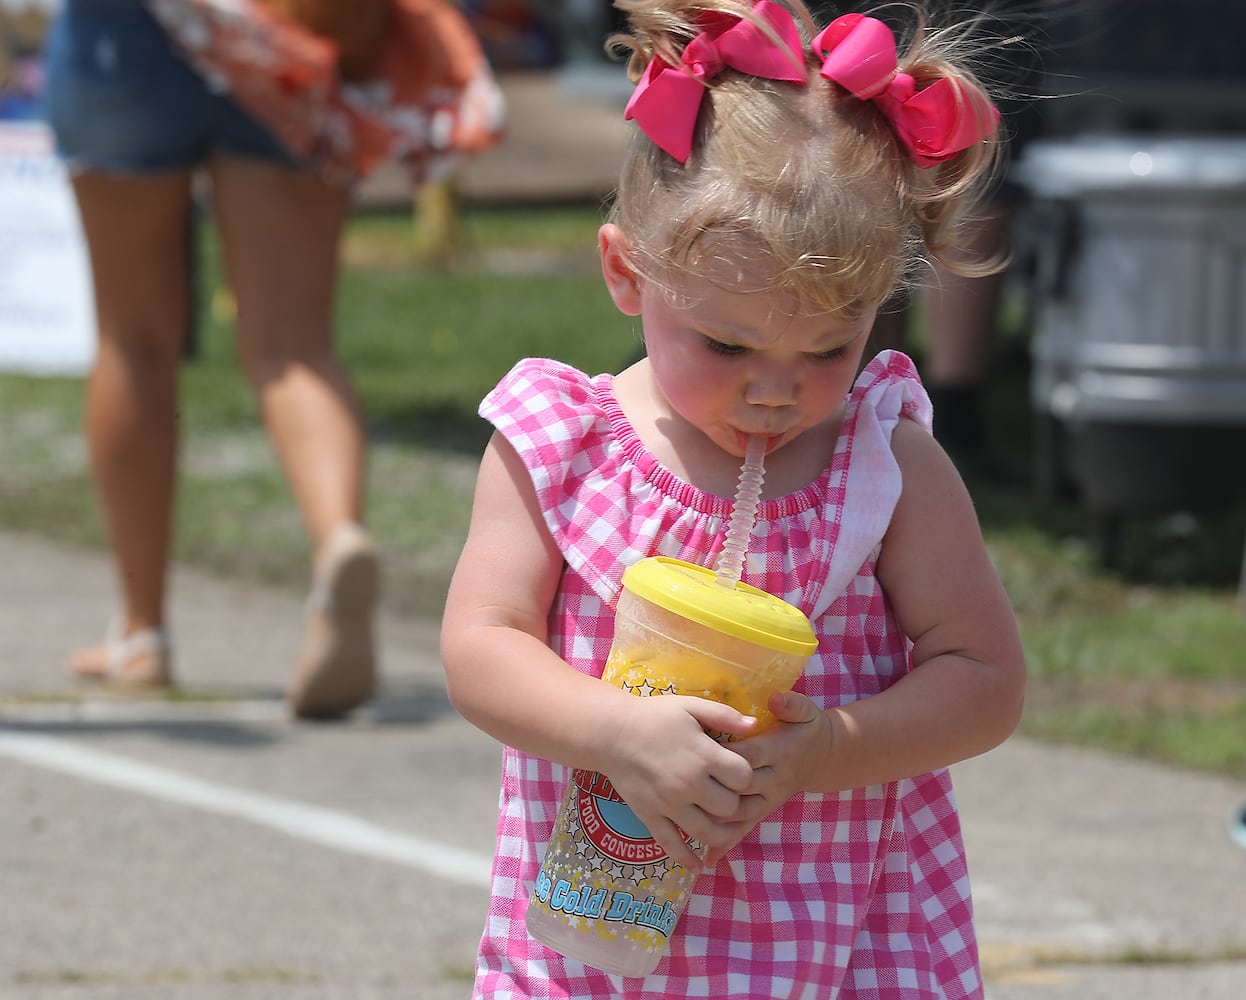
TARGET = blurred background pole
(1241,585)
(437,228)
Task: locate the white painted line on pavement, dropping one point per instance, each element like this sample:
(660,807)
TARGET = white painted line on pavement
(233,710)
(315,824)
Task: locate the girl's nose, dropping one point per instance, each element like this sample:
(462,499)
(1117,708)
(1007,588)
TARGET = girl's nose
(770,387)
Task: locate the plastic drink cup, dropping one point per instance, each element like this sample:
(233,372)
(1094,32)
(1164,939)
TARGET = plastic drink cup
(607,894)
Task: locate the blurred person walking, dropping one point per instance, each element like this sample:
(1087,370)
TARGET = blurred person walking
(136,115)
(961,312)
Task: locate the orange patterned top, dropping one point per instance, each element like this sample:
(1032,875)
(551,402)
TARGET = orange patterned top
(428,99)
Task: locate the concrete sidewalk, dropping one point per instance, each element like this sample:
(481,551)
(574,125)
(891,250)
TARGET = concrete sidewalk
(1096,877)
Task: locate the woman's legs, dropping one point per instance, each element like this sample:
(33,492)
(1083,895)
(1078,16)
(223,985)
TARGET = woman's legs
(280,231)
(136,233)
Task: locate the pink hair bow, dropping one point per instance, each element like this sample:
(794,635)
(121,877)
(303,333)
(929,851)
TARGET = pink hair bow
(935,123)
(667,98)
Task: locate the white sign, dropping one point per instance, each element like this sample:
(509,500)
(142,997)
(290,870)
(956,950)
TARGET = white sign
(20,6)
(47,313)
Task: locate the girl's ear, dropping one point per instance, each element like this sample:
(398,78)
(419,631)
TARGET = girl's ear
(622,281)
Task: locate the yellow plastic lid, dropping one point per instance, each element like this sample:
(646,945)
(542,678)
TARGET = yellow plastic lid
(693,592)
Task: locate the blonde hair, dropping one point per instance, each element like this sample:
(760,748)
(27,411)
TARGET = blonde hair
(803,188)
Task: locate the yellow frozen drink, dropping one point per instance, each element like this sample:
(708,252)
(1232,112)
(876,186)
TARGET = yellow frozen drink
(607,894)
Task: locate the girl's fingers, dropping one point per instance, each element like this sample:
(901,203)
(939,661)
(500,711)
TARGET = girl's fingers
(720,800)
(788,706)
(671,839)
(719,718)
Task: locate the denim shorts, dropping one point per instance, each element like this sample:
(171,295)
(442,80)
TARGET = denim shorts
(120,99)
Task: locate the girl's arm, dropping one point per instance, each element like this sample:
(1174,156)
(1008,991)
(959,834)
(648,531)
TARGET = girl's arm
(964,693)
(503,677)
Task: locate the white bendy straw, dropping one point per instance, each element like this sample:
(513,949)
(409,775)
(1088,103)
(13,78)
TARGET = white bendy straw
(743,514)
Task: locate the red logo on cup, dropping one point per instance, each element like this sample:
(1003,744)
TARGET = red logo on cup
(609,823)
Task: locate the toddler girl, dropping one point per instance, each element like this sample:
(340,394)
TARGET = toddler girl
(782,183)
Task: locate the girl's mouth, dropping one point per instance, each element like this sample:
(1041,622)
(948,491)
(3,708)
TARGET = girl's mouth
(772,440)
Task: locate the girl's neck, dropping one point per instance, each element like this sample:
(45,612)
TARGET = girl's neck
(687,452)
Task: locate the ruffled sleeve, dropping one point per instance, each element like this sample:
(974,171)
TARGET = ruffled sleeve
(606,502)
(866,478)
(548,412)
(552,416)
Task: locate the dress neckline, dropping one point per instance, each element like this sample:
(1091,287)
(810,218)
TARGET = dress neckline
(680,490)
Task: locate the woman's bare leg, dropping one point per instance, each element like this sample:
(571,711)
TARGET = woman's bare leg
(136,233)
(280,231)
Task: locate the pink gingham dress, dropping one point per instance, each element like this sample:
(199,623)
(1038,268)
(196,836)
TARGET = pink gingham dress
(861,895)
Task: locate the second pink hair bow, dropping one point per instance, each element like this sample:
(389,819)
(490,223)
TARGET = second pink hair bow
(934,123)
(667,98)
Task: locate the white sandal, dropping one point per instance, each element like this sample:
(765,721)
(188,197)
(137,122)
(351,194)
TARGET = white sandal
(139,661)
(336,669)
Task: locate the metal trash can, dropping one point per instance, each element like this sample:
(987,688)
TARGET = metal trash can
(1139,348)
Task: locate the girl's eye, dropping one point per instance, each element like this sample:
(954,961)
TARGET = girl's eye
(831,355)
(718,347)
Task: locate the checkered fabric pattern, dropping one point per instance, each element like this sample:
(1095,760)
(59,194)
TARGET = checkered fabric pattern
(862,895)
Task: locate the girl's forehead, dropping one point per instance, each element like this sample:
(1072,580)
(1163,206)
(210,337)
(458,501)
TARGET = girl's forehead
(741,263)
(736,291)
(755,316)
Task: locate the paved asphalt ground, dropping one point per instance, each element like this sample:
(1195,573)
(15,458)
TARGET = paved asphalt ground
(208,847)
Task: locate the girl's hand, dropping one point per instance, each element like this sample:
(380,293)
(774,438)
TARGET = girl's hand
(787,758)
(677,779)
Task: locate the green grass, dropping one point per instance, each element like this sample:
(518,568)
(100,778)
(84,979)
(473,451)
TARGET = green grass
(424,345)
(1133,665)
(1148,661)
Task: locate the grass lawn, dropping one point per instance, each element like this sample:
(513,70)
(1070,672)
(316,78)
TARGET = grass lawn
(1133,661)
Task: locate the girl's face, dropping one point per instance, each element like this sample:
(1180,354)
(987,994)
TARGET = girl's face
(735,364)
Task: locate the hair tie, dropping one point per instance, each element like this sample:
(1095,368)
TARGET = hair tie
(934,123)
(667,99)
